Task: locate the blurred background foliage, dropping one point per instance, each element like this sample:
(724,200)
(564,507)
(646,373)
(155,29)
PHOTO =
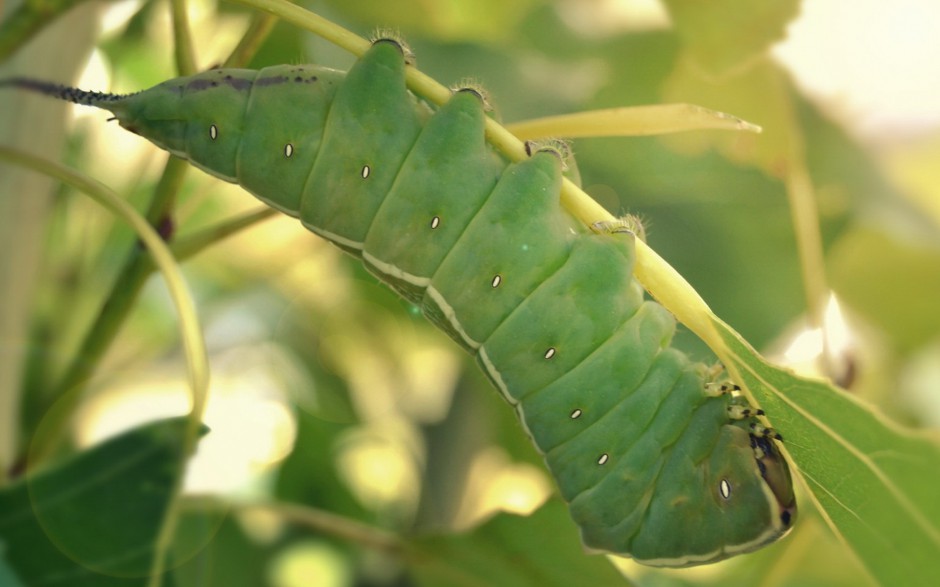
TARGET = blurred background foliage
(331,392)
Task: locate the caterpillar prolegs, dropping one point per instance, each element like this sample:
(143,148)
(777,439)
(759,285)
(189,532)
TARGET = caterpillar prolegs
(654,461)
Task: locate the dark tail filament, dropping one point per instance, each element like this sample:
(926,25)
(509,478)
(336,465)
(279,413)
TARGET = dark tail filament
(61,92)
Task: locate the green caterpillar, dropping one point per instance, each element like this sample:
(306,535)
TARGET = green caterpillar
(655,461)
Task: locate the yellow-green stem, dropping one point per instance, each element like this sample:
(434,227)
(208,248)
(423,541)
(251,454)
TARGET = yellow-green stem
(663,282)
(808,242)
(183,50)
(259,29)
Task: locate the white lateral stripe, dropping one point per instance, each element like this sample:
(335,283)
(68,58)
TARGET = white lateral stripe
(496,377)
(395,272)
(451,316)
(504,391)
(200,166)
(776,529)
(340,240)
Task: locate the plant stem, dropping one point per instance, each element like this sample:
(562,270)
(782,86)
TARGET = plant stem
(259,29)
(316,519)
(114,310)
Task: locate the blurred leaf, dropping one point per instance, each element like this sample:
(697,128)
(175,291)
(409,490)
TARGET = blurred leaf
(759,94)
(452,20)
(309,475)
(892,282)
(721,34)
(94,518)
(7,577)
(541,549)
(39,129)
(875,482)
(915,169)
(28,19)
(231,559)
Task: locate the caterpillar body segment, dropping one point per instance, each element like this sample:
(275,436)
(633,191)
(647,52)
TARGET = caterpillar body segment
(646,456)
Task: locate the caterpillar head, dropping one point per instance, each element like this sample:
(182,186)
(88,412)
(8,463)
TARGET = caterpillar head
(746,502)
(750,483)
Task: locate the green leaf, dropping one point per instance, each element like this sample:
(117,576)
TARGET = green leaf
(94,518)
(874,482)
(7,577)
(721,34)
(540,549)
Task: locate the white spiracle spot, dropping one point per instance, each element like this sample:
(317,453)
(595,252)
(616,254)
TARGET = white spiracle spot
(213,132)
(724,488)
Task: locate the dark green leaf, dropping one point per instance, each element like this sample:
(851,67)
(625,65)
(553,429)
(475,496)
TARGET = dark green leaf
(94,518)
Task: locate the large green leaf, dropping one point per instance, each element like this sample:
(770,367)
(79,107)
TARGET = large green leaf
(874,482)
(94,519)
